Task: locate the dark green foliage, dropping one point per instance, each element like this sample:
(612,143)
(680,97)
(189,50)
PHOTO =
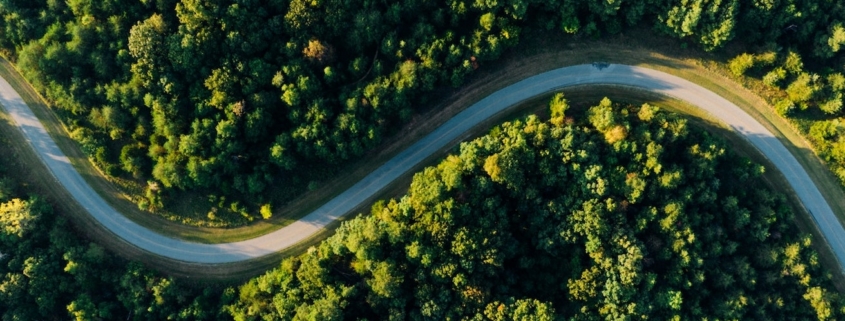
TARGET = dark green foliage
(710,22)
(545,221)
(49,273)
(235,94)
(630,215)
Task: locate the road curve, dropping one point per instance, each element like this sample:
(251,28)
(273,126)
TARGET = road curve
(612,74)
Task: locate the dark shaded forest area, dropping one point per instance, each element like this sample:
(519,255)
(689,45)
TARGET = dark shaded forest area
(613,213)
(47,272)
(622,213)
(227,97)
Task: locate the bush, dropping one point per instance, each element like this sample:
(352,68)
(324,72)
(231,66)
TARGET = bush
(802,89)
(837,151)
(774,77)
(558,106)
(836,82)
(840,173)
(821,131)
(793,63)
(266,211)
(827,47)
(741,64)
(833,105)
(784,107)
(132,160)
(766,59)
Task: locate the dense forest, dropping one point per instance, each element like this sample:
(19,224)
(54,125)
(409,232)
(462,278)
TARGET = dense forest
(224,98)
(812,100)
(48,273)
(617,213)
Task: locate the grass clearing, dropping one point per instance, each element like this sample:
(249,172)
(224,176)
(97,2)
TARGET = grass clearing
(536,54)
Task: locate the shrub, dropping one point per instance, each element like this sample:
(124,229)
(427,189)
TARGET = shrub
(793,63)
(840,173)
(784,107)
(802,89)
(558,106)
(740,64)
(774,77)
(266,211)
(766,59)
(832,105)
(836,82)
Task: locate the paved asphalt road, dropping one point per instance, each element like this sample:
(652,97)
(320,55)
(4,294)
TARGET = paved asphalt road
(637,77)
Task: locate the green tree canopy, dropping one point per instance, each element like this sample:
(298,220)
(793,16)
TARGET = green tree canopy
(662,223)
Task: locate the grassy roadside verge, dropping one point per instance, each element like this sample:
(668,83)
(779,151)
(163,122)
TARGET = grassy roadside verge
(534,56)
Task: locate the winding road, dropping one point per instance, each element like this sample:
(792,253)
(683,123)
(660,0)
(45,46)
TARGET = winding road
(607,74)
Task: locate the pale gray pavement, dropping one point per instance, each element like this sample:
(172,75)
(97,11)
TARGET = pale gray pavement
(283,238)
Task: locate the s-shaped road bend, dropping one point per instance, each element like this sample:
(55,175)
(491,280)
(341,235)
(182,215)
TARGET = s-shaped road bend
(544,83)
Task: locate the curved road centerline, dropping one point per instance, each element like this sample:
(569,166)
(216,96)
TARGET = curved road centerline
(544,83)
